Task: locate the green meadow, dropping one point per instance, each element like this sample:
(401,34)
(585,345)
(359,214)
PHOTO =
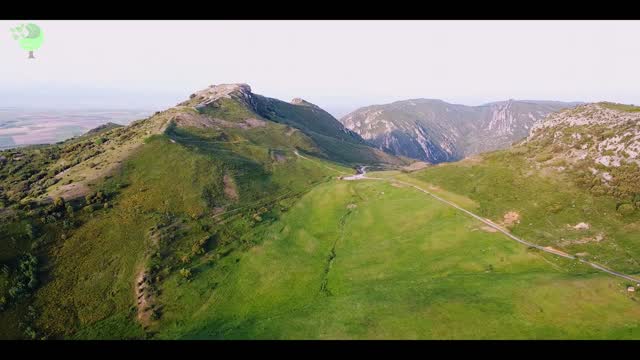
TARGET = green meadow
(370,260)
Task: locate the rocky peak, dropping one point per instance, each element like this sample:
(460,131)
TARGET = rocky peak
(299,101)
(213,93)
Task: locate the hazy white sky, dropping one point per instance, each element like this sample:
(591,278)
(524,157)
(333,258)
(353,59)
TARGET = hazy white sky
(339,65)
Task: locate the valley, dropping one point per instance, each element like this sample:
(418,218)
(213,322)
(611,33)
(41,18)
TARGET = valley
(238,216)
(436,131)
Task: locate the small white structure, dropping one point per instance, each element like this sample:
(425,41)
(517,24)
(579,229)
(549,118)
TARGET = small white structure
(631,289)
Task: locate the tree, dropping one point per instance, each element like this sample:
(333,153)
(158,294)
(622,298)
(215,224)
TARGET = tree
(69,209)
(29,37)
(58,202)
(28,229)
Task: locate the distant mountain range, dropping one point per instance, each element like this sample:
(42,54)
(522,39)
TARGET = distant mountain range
(436,131)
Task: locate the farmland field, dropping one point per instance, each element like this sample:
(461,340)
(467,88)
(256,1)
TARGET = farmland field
(19,127)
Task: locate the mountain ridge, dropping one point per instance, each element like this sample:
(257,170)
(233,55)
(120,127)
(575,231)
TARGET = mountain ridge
(437,131)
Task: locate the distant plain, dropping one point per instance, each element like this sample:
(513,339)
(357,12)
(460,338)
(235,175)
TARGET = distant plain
(20,127)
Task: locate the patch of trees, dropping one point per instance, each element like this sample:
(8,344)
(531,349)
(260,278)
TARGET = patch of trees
(26,325)
(25,280)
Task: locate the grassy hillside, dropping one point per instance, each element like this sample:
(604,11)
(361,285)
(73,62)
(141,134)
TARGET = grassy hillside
(550,205)
(373,260)
(180,196)
(236,103)
(92,226)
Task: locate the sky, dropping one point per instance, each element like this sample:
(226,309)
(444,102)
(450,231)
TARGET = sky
(338,65)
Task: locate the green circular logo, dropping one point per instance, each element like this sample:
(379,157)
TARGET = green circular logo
(29,36)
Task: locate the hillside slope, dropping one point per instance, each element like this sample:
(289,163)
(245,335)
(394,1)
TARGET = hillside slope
(436,131)
(93,226)
(332,140)
(572,185)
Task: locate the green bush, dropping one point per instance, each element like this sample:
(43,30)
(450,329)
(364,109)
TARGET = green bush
(626,209)
(185,273)
(26,278)
(543,157)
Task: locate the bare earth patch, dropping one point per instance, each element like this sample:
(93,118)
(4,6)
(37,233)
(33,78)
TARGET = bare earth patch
(194,120)
(254,123)
(581,226)
(556,251)
(583,240)
(230,189)
(488,229)
(511,218)
(279,158)
(144,300)
(72,191)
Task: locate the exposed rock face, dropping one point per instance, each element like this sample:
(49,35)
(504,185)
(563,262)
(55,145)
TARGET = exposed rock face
(213,93)
(600,133)
(436,131)
(299,101)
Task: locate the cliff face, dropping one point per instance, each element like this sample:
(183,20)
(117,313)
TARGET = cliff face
(436,131)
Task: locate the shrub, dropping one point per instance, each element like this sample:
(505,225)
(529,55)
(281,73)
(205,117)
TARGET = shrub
(543,157)
(626,209)
(28,230)
(185,273)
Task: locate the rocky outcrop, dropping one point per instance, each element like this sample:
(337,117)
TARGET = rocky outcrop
(601,133)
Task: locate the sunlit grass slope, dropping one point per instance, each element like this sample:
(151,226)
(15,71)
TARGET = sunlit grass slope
(371,260)
(176,178)
(549,203)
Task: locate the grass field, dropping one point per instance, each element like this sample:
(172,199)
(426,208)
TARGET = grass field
(371,260)
(549,205)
